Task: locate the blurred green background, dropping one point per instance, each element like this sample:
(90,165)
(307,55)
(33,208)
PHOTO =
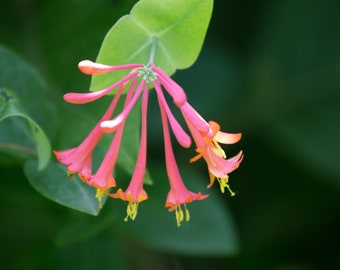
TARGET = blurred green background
(267,69)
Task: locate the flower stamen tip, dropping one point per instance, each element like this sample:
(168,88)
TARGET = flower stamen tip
(70,174)
(131,211)
(180,214)
(187,214)
(100,193)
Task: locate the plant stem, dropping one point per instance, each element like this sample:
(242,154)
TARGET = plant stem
(153,49)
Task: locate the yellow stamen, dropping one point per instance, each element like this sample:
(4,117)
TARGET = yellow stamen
(100,193)
(180,215)
(187,214)
(217,149)
(232,193)
(224,184)
(131,211)
(70,174)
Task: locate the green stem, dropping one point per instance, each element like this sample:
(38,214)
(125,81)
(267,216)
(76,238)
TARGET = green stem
(153,49)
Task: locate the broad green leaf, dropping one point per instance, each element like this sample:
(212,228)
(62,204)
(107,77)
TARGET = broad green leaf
(177,27)
(26,112)
(30,89)
(20,137)
(53,183)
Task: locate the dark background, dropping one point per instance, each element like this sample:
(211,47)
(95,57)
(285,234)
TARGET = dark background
(268,69)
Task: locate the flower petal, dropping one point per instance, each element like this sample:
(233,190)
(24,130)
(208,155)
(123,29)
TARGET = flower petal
(109,126)
(227,138)
(174,90)
(194,117)
(81,98)
(88,67)
(181,136)
(219,166)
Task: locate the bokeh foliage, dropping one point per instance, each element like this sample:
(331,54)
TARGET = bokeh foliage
(267,69)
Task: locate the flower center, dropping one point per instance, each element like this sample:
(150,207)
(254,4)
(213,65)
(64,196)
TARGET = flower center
(147,74)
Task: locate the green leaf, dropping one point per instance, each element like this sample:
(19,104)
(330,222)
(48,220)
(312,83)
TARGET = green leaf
(26,113)
(19,137)
(53,183)
(178,28)
(29,88)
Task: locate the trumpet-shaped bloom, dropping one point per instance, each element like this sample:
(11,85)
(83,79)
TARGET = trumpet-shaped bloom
(103,179)
(135,193)
(79,159)
(178,194)
(206,135)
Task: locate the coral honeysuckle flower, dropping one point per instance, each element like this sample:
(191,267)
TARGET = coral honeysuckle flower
(178,194)
(79,159)
(135,193)
(206,136)
(219,167)
(103,179)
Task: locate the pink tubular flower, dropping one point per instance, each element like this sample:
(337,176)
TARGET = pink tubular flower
(178,193)
(206,136)
(181,136)
(135,193)
(109,126)
(88,67)
(79,159)
(174,90)
(103,179)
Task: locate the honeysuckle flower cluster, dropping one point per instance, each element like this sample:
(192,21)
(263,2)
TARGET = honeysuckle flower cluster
(206,136)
